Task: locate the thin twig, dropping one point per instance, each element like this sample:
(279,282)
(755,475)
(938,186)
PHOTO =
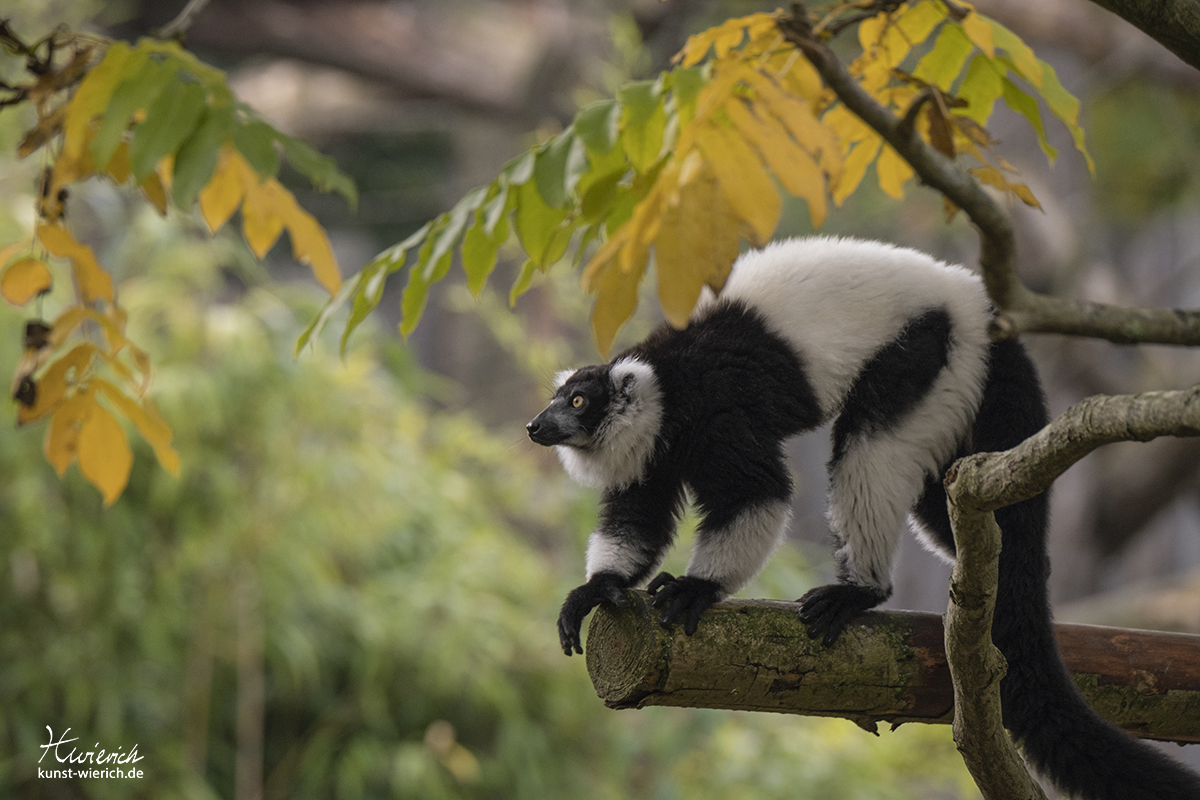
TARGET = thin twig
(179,25)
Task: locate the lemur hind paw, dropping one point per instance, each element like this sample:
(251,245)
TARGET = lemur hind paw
(604,587)
(684,597)
(827,610)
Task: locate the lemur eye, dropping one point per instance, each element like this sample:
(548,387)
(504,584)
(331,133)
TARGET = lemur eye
(578,401)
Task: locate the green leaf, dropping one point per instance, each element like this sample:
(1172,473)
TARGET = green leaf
(981,88)
(1025,105)
(328,310)
(599,198)
(369,289)
(686,83)
(1023,61)
(597,126)
(321,169)
(941,65)
(643,122)
(255,140)
(519,170)
(523,282)
(197,156)
(494,211)
(550,169)
(423,274)
(480,244)
(136,92)
(444,240)
(170,120)
(536,223)
(1065,106)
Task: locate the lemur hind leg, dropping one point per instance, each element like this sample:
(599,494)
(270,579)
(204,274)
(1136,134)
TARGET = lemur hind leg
(905,415)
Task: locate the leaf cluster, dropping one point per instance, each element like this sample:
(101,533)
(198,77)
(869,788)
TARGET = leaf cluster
(688,165)
(153,115)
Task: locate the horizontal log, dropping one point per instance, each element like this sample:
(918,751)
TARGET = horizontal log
(889,666)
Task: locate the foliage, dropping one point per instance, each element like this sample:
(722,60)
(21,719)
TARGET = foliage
(687,164)
(153,115)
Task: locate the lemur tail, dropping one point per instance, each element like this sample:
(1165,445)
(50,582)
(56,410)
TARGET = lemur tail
(1058,732)
(1060,735)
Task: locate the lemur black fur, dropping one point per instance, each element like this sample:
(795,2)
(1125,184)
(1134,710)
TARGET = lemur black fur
(891,345)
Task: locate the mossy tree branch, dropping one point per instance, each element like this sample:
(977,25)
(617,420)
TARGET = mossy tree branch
(888,666)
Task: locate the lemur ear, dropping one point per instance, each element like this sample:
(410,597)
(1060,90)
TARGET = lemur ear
(629,377)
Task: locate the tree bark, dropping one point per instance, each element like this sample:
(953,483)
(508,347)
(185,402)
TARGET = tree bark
(1175,24)
(889,666)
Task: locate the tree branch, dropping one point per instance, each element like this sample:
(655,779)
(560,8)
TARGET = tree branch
(1023,310)
(988,481)
(1175,24)
(889,666)
(976,665)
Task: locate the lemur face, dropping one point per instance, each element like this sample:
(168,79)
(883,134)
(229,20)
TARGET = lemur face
(576,411)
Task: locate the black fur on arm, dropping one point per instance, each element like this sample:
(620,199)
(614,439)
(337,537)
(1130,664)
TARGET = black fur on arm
(637,526)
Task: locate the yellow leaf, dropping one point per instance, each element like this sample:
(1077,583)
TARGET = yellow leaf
(62,434)
(919,20)
(118,166)
(696,245)
(93,281)
(893,171)
(979,31)
(53,385)
(224,191)
(24,280)
(90,100)
(798,173)
(616,299)
(262,213)
(855,167)
(994,177)
(796,116)
(1022,56)
(150,425)
(155,192)
(104,455)
(743,180)
(601,258)
(10,250)
(724,37)
(310,245)
(797,75)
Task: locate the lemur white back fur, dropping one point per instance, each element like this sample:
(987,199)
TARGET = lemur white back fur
(837,302)
(627,437)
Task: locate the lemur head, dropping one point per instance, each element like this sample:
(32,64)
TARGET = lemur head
(603,421)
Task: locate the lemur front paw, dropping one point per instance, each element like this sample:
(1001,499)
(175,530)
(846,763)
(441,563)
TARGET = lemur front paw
(604,587)
(685,597)
(826,610)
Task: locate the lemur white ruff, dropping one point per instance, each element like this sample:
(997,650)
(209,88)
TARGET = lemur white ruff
(893,346)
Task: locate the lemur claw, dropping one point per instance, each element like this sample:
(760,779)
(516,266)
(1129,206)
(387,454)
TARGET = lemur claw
(685,597)
(826,610)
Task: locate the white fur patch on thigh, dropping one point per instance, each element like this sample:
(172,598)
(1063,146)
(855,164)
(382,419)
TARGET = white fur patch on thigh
(734,554)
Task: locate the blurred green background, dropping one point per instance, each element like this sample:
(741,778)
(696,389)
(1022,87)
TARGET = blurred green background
(350,590)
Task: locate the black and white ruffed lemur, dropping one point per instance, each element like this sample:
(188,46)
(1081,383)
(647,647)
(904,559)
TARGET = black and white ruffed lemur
(891,345)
